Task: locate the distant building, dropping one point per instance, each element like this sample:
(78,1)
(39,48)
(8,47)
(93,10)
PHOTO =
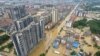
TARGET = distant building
(22,23)
(45,15)
(54,16)
(1,12)
(80,13)
(18,11)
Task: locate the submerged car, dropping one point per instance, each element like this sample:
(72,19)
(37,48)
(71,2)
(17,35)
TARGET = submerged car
(56,44)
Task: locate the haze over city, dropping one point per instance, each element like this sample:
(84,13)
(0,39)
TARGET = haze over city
(49,27)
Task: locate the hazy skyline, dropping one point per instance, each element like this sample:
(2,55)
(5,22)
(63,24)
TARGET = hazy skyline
(41,1)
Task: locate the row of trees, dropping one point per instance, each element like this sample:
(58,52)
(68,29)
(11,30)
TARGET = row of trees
(93,24)
(9,46)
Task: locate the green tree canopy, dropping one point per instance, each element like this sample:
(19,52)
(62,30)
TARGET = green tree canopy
(97,53)
(93,24)
(4,38)
(80,23)
(73,53)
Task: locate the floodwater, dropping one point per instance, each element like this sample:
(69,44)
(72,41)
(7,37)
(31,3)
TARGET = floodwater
(44,44)
(61,49)
(91,48)
(50,36)
(86,48)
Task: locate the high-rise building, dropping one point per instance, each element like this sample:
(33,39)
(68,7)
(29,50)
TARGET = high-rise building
(23,22)
(18,11)
(1,12)
(54,15)
(29,32)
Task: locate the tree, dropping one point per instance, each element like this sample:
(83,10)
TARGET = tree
(94,26)
(10,45)
(4,38)
(43,54)
(73,53)
(1,31)
(81,50)
(97,53)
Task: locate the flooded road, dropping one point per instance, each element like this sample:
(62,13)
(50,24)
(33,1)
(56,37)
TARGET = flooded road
(50,36)
(43,45)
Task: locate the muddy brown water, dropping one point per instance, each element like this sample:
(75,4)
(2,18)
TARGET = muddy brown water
(43,45)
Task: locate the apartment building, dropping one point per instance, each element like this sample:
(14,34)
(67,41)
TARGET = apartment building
(29,32)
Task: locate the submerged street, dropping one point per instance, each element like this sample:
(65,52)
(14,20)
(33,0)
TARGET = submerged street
(50,28)
(50,36)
